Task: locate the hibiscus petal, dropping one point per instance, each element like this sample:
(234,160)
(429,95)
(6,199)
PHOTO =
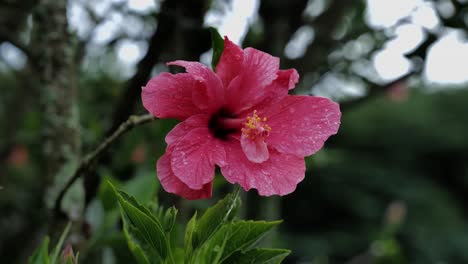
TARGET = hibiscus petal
(194,156)
(184,127)
(249,87)
(300,125)
(279,175)
(230,63)
(287,78)
(255,150)
(278,89)
(259,68)
(172,184)
(170,96)
(208,92)
(201,95)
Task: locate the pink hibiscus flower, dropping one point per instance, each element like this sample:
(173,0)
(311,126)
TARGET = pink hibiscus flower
(239,118)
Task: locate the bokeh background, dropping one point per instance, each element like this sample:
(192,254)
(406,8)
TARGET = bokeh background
(391,187)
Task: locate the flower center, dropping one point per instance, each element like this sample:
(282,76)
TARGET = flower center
(255,127)
(222,124)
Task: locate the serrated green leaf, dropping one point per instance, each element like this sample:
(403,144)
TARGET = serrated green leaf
(152,233)
(147,225)
(167,217)
(258,256)
(123,196)
(58,247)
(136,242)
(41,254)
(215,216)
(217,43)
(188,248)
(233,237)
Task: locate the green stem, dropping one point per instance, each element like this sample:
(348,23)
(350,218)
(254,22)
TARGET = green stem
(236,191)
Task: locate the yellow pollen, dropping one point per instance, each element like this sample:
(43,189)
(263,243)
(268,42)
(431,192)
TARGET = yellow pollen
(255,127)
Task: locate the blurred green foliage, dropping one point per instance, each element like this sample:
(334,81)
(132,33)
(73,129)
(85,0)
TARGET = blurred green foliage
(410,152)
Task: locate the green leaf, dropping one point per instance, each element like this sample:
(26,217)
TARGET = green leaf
(145,223)
(135,240)
(41,254)
(217,43)
(58,247)
(215,216)
(179,255)
(191,225)
(235,236)
(169,219)
(258,256)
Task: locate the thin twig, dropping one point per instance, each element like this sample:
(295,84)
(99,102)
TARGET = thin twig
(131,122)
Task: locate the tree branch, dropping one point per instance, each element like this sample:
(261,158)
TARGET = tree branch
(131,122)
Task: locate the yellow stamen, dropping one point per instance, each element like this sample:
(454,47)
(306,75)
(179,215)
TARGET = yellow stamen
(255,127)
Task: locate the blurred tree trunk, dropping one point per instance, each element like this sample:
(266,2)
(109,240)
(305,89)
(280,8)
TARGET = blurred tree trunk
(58,94)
